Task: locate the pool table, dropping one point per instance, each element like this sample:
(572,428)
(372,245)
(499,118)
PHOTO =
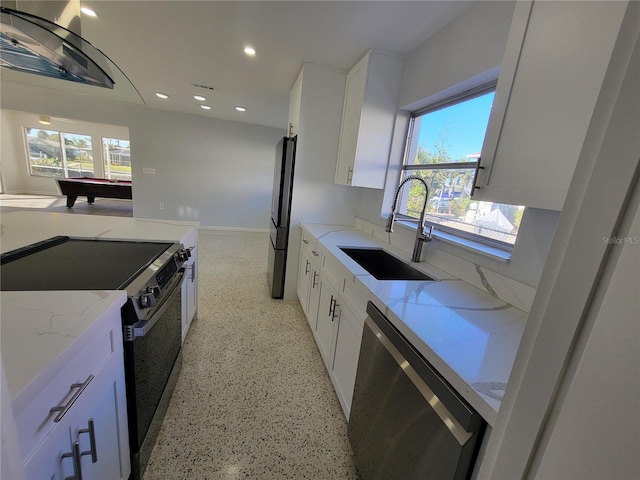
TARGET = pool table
(92,188)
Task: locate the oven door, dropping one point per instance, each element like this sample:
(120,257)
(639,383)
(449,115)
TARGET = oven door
(152,362)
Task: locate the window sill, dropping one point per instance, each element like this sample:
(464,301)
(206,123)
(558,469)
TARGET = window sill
(465,243)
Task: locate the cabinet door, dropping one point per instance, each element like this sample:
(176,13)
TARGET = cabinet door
(327,315)
(103,401)
(190,292)
(345,357)
(295,100)
(47,461)
(555,61)
(353,101)
(304,279)
(314,297)
(368,118)
(104,413)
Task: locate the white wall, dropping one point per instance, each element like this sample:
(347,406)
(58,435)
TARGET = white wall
(216,172)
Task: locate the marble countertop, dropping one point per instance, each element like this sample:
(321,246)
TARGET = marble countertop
(468,335)
(42,331)
(21,228)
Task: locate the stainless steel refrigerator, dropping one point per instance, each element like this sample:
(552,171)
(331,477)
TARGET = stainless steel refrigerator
(280,214)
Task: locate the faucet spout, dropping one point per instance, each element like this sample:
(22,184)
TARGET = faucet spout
(421,235)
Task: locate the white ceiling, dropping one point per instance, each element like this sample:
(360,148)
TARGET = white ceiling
(168,46)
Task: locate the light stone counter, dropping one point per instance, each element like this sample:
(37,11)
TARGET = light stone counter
(21,228)
(469,336)
(42,331)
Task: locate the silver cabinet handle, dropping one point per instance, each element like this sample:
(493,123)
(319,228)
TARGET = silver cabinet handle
(315,253)
(332,306)
(93,450)
(315,275)
(63,409)
(75,455)
(306,242)
(306,268)
(335,313)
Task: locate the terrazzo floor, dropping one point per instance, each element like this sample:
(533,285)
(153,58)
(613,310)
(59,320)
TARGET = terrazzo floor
(253,399)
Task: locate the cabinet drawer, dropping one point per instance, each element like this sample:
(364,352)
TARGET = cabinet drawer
(333,270)
(310,244)
(357,296)
(36,420)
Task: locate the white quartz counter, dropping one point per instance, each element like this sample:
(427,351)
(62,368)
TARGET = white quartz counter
(42,331)
(468,335)
(21,228)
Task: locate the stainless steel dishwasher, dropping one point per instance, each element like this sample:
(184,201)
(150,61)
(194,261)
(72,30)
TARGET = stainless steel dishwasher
(406,421)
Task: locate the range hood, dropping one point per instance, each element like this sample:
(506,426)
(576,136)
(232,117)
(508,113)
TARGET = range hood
(49,52)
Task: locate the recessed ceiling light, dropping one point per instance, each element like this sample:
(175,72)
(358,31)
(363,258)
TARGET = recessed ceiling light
(240,109)
(44,120)
(88,11)
(164,96)
(205,107)
(200,98)
(250,51)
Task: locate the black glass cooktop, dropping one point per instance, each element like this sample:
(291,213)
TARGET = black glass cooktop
(64,263)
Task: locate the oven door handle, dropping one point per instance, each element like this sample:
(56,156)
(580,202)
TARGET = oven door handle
(142,327)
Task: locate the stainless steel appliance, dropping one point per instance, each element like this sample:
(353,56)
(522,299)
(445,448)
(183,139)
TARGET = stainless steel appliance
(152,275)
(280,214)
(406,421)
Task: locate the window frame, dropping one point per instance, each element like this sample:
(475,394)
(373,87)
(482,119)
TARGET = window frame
(410,169)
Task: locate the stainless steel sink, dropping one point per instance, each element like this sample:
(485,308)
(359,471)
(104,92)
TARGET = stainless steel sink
(383,265)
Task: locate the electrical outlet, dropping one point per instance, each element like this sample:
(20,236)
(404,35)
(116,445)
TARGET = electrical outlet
(149,170)
(162,206)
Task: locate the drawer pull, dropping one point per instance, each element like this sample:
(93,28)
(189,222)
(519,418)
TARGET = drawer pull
(75,455)
(306,242)
(306,268)
(63,409)
(93,451)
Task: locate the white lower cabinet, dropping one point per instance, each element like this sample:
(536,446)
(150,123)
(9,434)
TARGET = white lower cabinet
(336,329)
(348,335)
(326,320)
(90,440)
(190,292)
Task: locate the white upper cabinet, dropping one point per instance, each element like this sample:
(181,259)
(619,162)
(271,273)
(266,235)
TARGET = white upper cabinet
(295,99)
(554,65)
(368,116)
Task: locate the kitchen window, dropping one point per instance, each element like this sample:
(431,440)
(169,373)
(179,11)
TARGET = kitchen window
(443,147)
(71,155)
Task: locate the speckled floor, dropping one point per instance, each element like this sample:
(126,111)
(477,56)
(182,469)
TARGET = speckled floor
(253,399)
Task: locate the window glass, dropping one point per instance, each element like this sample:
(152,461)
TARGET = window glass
(45,153)
(443,148)
(117,159)
(78,155)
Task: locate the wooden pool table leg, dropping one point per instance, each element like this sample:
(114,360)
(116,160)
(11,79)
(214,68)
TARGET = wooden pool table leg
(90,200)
(71,199)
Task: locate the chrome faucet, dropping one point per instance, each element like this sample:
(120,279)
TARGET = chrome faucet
(422,235)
